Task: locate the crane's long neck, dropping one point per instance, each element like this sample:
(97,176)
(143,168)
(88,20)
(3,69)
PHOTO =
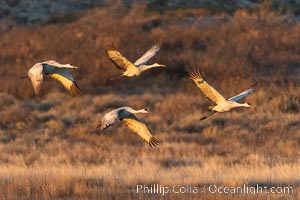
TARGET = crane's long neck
(56,64)
(68,66)
(139,111)
(245,105)
(129,109)
(146,67)
(236,104)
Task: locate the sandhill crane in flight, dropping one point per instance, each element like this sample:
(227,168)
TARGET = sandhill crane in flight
(136,68)
(126,115)
(221,104)
(55,70)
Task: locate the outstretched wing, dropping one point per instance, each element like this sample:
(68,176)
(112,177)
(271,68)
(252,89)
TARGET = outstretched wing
(36,76)
(139,128)
(65,77)
(209,92)
(117,58)
(241,95)
(149,54)
(57,64)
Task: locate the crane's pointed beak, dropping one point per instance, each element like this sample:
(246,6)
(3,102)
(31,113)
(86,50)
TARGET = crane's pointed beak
(71,66)
(23,77)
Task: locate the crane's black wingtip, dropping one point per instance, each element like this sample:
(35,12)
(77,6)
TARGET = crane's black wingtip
(154,142)
(195,74)
(74,89)
(109,47)
(159,41)
(253,86)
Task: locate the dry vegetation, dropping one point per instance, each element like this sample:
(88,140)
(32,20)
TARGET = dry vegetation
(50,148)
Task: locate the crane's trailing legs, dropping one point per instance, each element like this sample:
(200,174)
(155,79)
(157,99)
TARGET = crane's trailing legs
(113,78)
(208,114)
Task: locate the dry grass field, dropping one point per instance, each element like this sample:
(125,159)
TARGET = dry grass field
(49,145)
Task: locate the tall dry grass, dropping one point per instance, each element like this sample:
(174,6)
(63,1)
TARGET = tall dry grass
(50,148)
(56,152)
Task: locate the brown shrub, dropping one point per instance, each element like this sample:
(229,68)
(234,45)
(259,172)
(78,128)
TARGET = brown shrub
(260,46)
(49,144)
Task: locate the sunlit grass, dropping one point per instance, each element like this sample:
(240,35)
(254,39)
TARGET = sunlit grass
(50,148)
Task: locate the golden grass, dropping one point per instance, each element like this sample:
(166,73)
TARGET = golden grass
(49,144)
(57,153)
(82,181)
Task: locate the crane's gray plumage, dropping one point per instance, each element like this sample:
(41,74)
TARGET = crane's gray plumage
(241,95)
(108,119)
(55,70)
(221,104)
(126,115)
(148,54)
